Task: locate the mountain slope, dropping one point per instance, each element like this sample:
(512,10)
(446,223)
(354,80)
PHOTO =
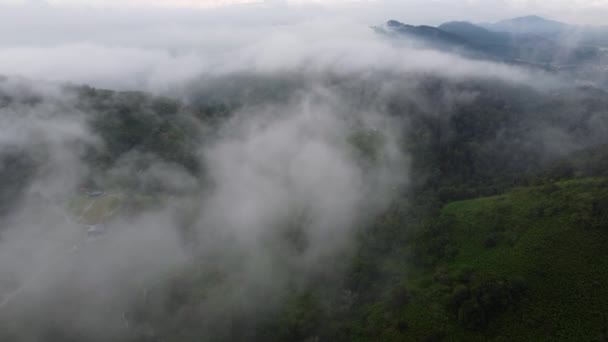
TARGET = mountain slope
(475,33)
(530,25)
(431,36)
(551,29)
(519,266)
(518,43)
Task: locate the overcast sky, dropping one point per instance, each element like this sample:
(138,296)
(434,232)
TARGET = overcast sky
(416,11)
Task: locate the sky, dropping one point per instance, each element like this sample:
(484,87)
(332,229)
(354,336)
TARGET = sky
(591,12)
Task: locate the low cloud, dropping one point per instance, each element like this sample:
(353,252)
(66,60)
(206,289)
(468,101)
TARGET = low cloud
(286,181)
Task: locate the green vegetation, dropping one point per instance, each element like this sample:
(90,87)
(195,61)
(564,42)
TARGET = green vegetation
(498,235)
(525,265)
(498,238)
(131,122)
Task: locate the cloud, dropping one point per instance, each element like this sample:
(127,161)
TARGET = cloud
(132,3)
(120,68)
(160,58)
(287,190)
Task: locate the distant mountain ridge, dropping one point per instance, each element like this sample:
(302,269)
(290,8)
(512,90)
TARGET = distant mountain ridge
(548,28)
(426,33)
(531,24)
(529,40)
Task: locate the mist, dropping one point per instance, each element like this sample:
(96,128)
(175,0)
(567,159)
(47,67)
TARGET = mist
(256,153)
(284,190)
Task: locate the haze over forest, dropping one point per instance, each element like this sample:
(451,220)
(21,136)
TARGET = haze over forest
(303,170)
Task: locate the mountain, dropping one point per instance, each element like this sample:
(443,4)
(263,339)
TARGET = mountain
(475,33)
(427,34)
(522,47)
(528,40)
(461,38)
(547,28)
(497,44)
(530,25)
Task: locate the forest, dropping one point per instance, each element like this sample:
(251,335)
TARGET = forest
(493,230)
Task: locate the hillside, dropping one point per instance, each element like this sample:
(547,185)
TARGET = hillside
(531,24)
(552,29)
(531,41)
(523,265)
